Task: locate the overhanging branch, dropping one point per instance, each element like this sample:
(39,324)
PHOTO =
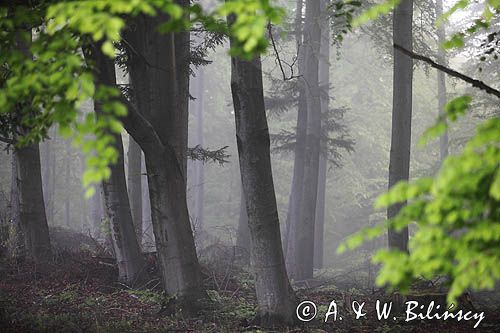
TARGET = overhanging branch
(475,83)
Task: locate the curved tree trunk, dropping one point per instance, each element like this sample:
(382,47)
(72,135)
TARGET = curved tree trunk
(131,267)
(274,294)
(173,235)
(161,131)
(399,165)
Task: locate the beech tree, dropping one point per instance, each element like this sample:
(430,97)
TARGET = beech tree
(441,79)
(399,165)
(31,238)
(131,268)
(301,267)
(296,191)
(30,231)
(161,131)
(275,296)
(199,168)
(460,241)
(162,135)
(48,160)
(324,85)
(134,186)
(243,233)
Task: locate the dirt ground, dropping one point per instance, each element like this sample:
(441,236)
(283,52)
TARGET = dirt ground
(77,292)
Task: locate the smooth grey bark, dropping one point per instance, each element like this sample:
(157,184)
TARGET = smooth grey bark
(136,35)
(148,238)
(161,132)
(33,226)
(52,200)
(441,79)
(30,228)
(324,84)
(135,186)
(295,197)
(199,167)
(48,158)
(67,194)
(243,233)
(84,210)
(275,296)
(302,268)
(173,234)
(182,56)
(319,228)
(16,239)
(96,212)
(399,165)
(131,266)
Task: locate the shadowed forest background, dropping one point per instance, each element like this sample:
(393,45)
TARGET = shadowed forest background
(205,166)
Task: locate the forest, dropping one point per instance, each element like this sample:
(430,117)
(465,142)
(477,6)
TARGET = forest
(249,166)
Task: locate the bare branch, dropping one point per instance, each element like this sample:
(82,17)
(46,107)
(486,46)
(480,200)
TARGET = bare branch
(280,62)
(475,83)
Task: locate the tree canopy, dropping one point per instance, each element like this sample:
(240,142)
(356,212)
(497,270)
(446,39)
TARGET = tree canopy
(44,78)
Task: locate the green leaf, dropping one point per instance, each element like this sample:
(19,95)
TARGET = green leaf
(108,49)
(374,12)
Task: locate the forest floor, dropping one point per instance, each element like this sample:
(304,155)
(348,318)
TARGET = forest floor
(77,292)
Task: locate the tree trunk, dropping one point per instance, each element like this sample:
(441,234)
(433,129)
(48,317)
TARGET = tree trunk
(173,235)
(304,237)
(16,238)
(32,219)
(131,267)
(148,238)
(243,236)
(199,167)
(135,186)
(67,185)
(48,172)
(295,197)
(324,83)
(319,228)
(84,210)
(31,229)
(162,135)
(399,165)
(441,81)
(182,56)
(274,294)
(96,212)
